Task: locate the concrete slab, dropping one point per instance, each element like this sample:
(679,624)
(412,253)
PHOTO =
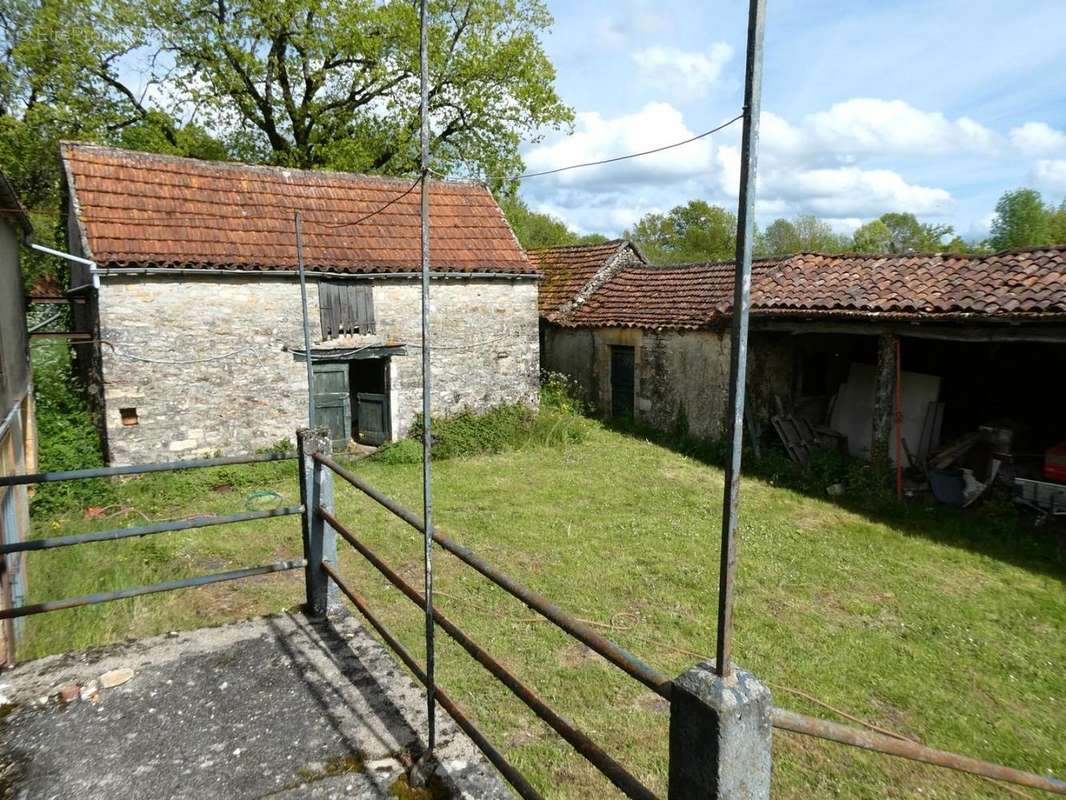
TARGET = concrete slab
(281,707)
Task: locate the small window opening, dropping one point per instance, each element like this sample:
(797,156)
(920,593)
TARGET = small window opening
(129,416)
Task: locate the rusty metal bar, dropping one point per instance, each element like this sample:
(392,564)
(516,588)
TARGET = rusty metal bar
(879,743)
(614,771)
(139,469)
(122,594)
(619,656)
(513,776)
(738,356)
(147,530)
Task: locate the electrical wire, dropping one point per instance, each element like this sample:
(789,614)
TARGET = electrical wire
(178,363)
(615,159)
(365,217)
(420,178)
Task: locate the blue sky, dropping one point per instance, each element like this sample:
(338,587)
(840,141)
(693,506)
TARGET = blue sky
(930,107)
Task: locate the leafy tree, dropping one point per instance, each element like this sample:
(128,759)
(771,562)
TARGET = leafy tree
(804,234)
(1021,220)
(873,237)
(693,232)
(535,230)
(1057,225)
(908,235)
(311,83)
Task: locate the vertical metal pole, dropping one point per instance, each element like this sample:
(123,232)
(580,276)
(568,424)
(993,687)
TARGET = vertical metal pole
(739,350)
(319,538)
(427,384)
(307,327)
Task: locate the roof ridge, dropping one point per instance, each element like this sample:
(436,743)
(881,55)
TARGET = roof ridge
(123,152)
(1043,248)
(586,246)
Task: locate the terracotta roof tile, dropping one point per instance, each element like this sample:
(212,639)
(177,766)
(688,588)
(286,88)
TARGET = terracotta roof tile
(567,270)
(1029,282)
(137,209)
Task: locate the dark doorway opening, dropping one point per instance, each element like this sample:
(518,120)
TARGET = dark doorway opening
(623,381)
(369,381)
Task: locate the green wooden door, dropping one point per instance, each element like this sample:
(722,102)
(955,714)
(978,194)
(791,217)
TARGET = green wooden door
(373,418)
(333,402)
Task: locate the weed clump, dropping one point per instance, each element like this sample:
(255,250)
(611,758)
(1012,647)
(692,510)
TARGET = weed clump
(557,422)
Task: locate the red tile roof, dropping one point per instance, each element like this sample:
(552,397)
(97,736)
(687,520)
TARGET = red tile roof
(137,209)
(567,270)
(1010,283)
(1020,285)
(687,296)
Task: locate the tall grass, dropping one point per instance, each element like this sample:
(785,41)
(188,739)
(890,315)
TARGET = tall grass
(66,436)
(558,422)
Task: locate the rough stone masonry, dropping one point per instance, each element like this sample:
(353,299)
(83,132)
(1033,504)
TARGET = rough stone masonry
(191,366)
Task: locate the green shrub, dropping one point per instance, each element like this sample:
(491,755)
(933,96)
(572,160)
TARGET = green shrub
(559,392)
(405,451)
(557,423)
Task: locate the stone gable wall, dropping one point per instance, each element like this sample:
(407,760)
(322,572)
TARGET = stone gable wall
(206,361)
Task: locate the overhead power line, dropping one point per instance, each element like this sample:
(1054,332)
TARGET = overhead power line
(365,217)
(420,178)
(614,159)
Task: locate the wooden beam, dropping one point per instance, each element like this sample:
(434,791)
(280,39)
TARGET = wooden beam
(53,299)
(1027,331)
(884,399)
(70,335)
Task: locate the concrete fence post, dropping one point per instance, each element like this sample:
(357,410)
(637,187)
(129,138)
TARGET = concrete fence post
(720,736)
(319,538)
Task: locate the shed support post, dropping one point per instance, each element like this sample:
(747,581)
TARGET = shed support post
(884,400)
(319,538)
(720,736)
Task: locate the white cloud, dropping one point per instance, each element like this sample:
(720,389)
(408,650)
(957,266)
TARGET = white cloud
(853,192)
(683,73)
(1038,139)
(1050,175)
(596,138)
(839,193)
(866,126)
(811,168)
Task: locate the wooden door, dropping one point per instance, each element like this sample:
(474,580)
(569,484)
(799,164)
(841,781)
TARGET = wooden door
(373,418)
(623,382)
(333,402)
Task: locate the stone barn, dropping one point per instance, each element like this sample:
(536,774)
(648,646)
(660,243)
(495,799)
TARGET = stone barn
(975,340)
(195,312)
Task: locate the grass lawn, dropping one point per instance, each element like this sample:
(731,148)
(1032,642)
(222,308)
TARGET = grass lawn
(944,626)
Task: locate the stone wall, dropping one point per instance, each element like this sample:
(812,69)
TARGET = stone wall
(675,372)
(206,362)
(571,351)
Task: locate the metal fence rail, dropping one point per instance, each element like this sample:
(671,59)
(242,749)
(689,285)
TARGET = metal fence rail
(782,719)
(146,530)
(140,469)
(617,655)
(513,776)
(879,743)
(153,588)
(33,545)
(614,771)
